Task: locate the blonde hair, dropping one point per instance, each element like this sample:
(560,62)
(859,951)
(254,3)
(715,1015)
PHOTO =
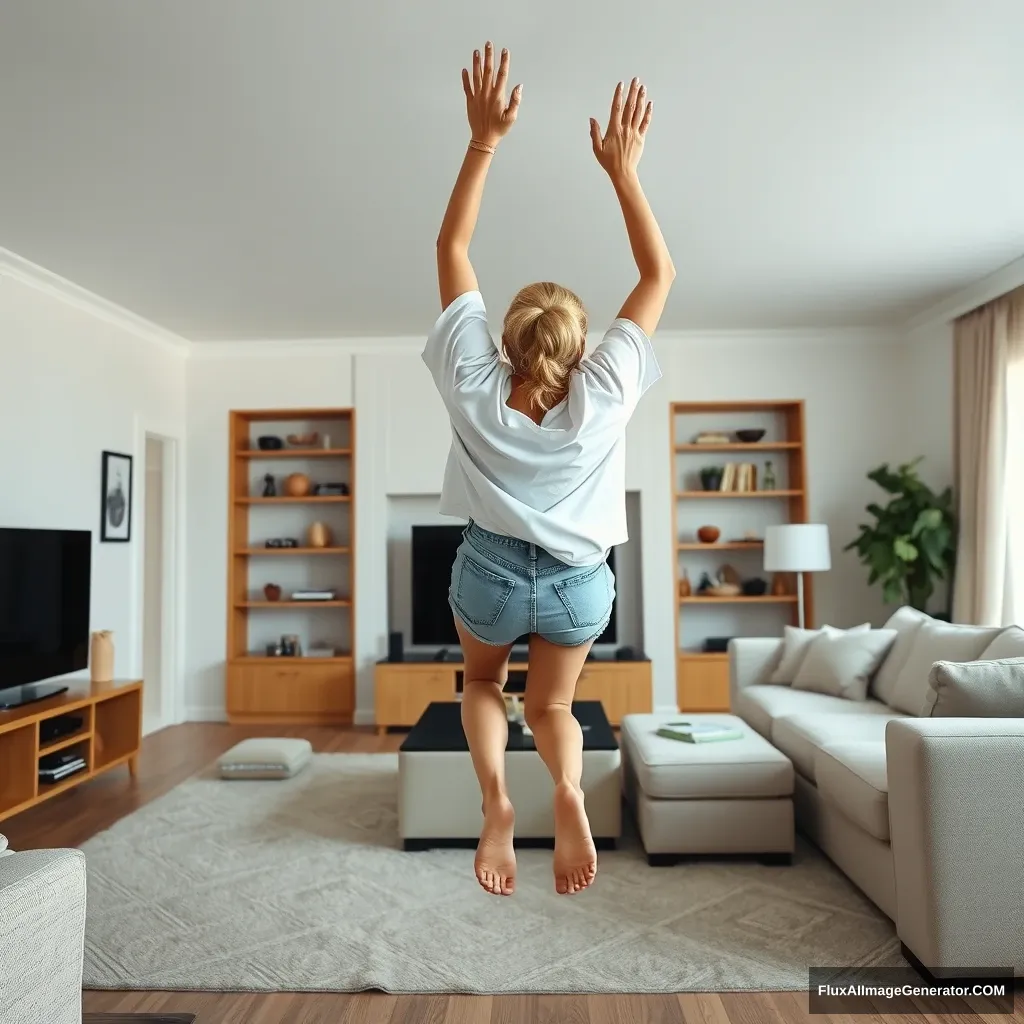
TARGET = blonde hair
(544,337)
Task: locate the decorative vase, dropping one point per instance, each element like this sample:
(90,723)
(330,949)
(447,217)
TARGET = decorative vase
(319,535)
(768,480)
(297,485)
(685,587)
(708,534)
(272,592)
(101,657)
(779,588)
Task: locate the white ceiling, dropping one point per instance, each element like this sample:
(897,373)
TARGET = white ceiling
(263,168)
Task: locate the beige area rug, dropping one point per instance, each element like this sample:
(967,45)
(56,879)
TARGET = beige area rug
(301,886)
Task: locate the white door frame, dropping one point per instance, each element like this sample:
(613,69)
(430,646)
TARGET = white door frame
(172,640)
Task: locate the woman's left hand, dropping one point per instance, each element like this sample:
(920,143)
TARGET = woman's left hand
(490,117)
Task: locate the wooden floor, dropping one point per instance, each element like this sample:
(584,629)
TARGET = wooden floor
(171,756)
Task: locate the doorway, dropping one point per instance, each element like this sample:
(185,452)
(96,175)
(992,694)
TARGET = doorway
(158,582)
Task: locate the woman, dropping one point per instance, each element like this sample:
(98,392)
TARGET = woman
(537,466)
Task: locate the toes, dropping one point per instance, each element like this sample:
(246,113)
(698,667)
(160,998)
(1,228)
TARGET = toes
(562,885)
(507,886)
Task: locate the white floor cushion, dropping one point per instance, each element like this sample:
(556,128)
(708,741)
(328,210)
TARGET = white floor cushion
(268,758)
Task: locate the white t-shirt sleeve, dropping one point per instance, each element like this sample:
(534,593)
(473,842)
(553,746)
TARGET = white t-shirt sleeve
(460,346)
(623,366)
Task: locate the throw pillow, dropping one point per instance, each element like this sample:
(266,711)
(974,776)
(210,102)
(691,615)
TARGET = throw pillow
(977,689)
(906,621)
(1009,644)
(796,643)
(936,641)
(842,664)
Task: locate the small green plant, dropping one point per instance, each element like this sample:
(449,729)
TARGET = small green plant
(912,542)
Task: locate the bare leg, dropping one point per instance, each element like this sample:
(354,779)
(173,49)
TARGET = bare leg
(550,686)
(486,726)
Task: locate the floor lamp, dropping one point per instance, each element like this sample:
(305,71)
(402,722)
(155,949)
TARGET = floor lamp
(799,548)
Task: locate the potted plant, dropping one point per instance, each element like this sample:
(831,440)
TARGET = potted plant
(912,542)
(711,477)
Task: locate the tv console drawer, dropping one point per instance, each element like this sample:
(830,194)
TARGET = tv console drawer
(297,692)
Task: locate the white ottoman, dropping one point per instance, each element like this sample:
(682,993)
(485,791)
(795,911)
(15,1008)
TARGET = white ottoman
(730,797)
(439,796)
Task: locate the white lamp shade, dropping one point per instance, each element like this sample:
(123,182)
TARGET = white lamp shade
(797,547)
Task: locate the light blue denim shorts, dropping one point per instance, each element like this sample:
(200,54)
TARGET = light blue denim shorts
(503,588)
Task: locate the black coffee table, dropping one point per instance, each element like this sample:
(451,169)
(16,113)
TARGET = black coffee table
(440,728)
(439,798)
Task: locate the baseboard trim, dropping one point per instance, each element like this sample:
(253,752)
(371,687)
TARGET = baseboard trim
(205,713)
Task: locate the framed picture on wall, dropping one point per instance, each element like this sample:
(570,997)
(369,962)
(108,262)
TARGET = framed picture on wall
(116,514)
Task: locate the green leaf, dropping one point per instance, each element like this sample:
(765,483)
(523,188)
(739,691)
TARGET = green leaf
(927,519)
(904,550)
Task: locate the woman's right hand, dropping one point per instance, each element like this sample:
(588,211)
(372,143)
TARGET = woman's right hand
(619,151)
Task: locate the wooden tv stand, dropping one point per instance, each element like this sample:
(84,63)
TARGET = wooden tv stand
(110,735)
(403,689)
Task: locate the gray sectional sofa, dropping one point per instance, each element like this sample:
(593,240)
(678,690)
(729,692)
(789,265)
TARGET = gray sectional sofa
(916,791)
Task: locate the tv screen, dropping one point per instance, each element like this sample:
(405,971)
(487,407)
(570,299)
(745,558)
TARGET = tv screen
(44,604)
(433,553)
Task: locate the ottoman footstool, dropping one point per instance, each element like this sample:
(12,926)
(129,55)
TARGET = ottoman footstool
(729,797)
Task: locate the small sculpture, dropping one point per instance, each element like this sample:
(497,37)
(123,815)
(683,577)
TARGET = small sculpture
(269,487)
(297,485)
(705,583)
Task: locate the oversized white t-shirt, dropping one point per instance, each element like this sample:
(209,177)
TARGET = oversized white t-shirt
(560,484)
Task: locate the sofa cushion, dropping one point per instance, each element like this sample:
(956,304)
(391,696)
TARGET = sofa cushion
(796,642)
(977,689)
(669,770)
(852,776)
(936,641)
(906,621)
(1009,644)
(759,705)
(842,664)
(800,737)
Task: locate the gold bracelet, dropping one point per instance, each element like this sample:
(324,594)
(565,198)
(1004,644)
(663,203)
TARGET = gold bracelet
(482,147)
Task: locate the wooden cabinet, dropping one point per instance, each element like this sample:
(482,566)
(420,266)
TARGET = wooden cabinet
(402,690)
(274,691)
(108,736)
(702,682)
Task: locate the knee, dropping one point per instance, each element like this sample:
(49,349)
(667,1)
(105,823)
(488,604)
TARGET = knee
(536,711)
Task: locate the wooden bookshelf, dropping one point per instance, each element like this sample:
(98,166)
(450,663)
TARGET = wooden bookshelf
(262,688)
(702,678)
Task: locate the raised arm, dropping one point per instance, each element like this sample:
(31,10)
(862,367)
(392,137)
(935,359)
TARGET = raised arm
(490,118)
(619,152)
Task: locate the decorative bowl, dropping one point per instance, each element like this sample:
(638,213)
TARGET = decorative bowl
(272,592)
(269,443)
(297,485)
(708,534)
(749,436)
(724,590)
(755,588)
(306,440)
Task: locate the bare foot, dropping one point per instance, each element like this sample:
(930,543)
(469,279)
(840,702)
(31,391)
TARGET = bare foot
(495,861)
(575,861)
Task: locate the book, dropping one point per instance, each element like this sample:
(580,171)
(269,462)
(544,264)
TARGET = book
(699,732)
(728,477)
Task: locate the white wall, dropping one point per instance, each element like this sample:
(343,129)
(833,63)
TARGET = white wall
(71,385)
(928,400)
(852,382)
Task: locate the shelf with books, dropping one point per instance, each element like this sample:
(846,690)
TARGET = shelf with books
(282,532)
(749,450)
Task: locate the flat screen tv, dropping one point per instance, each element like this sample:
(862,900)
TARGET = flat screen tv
(44,610)
(433,553)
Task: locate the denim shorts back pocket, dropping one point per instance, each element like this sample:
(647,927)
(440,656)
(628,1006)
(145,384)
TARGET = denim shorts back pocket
(588,596)
(478,593)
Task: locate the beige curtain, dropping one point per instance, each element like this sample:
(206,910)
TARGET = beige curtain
(988,355)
